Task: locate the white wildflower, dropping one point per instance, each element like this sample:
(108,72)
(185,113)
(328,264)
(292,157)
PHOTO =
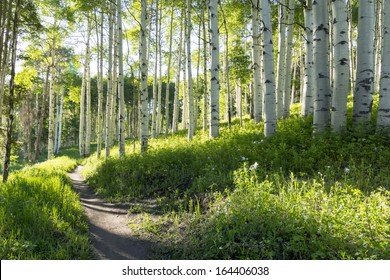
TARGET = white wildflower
(346,169)
(254,166)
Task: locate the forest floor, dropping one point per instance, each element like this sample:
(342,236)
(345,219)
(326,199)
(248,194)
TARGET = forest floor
(111,237)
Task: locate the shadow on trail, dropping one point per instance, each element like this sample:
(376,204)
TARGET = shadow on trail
(110,235)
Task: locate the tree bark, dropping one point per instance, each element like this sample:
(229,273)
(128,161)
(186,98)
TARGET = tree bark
(214,78)
(308,88)
(289,53)
(280,86)
(144,79)
(191,129)
(321,67)
(13,48)
(121,95)
(362,104)
(269,94)
(256,57)
(341,65)
(383,120)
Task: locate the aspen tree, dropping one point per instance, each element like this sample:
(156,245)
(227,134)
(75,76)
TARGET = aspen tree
(13,50)
(205,82)
(191,129)
(308,88)
(155,77)
(144,79)
(384,92)
(109,84)
(167,111)
(175,119)
(341,65)
(50,144)
(256,57)
(321,67)
(121,95)
(281,73)
(289,54)
(88,117)
(269,76)
(362,103)
(214,78)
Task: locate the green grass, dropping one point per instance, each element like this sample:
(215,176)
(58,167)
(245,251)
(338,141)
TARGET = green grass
(293,196)
(40,214)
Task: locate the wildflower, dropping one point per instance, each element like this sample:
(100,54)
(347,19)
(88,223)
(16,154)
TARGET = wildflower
(258,142)
(254,166)
(244,158)
(346,169)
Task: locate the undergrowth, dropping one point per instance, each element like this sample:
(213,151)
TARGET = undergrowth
(41,216)
(295,195)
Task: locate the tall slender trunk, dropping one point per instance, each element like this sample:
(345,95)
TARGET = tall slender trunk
(167,110)
(269,94)
(362,104)
(155,78)
(144,79)
(121,89)
(42,117)
(321,67)
(176,108)
(256,57)
(205,82)
(82,116)
(191,129)
(100,84)
(60,114)
(214,78)
(109,85)
(7,157)
(308,88)
(50,144)
(384,92)
(88,118)
(159,91)
(289,54)
(280,85)
(341,65)
(5,47)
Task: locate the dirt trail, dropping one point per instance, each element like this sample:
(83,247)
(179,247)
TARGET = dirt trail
(110,235)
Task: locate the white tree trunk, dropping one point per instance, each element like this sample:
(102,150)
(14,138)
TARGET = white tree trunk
(269,77)
(191,129)
(167,111)
(88,118)
(109,86)
(307,100)
(50,143)
(289,54)
(214,77)
(100,87)
(121,95)
(341,64)
(384,93)
(256,57)
(321,66)
(362,104)
(205,83)
(175,120)
(281,73)
(144,79)
(155,79)
(59,133)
